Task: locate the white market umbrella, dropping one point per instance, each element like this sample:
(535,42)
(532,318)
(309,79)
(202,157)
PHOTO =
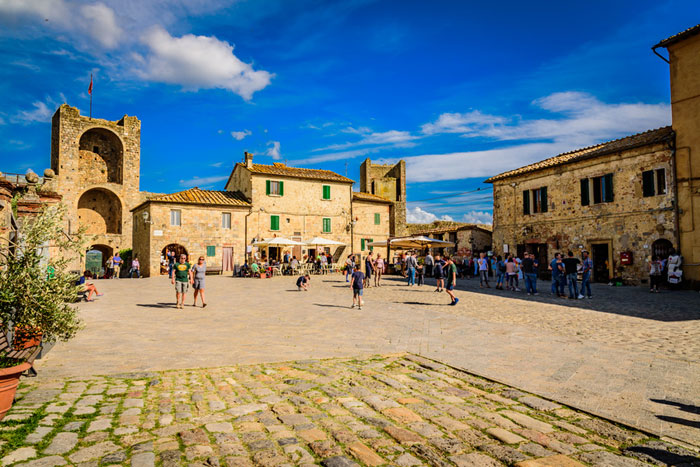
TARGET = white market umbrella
(276,242)
(323,242)
(420,241)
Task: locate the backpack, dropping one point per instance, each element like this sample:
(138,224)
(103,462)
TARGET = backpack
(501,266)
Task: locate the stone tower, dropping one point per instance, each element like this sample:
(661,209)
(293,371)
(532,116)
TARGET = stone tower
(97,167)
(684,57)
(387,181)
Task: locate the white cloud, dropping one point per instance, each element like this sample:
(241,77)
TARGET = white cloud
(416,215)
(102,24)
(462,123)
(199,62)
(203,181)
(216,164)
(40,113)
(273,150)
(477,217)
(239,135)
(370,138)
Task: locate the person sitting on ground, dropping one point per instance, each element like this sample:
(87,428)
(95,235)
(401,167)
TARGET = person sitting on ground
(88,287)
(303,282)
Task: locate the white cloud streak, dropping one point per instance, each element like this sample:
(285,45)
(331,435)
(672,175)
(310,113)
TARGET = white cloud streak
(273,150)
(203,181)
(239,135)
(417,215)
(101,23)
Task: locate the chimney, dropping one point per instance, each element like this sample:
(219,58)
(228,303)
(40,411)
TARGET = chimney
(248,158)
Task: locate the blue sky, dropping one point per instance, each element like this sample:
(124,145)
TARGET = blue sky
(460,90)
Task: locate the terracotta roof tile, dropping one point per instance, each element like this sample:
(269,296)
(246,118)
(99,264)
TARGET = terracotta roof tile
(438,227)
(630,142)
(679,37)
(286,171)
(197,196)
(362,196)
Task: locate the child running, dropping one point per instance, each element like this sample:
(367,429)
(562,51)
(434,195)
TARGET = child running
(356,284)
(451,273)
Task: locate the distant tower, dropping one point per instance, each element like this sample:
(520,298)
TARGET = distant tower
(387,181)
(97,164)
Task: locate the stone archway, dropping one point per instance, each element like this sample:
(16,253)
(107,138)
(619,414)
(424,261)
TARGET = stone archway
(95,259)
(661,248)
(101,157)
(175,247)
(100,211)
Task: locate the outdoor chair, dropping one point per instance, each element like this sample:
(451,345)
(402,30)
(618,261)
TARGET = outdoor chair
(22,355)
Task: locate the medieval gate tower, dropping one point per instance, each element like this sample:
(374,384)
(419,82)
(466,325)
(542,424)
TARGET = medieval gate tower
(97,171)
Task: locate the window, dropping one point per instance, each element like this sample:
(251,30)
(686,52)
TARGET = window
(362,244)
(585,192)
(274,188)
(377,218)
(654,182)
(96,149)
(602,189)
(535,201)
(326,225)
(225,220)
(175,217)
(326,192)
(274,222)
(211,251)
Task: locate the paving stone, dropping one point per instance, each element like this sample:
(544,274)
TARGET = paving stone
(196,436)
(51,461)
(402,414)
(197,451)
(221,427)
(246,409)
(263,444)
(38,435)
(216,406)
(535,450)
(475,459)
(73,426)
(170,458)
(269,458)
(528,422)
(505,436)
(505,453)
(338,461)
(551,461)
(20,417)
(93,452)
(539,404)
(298,454)
(18,455)
(99,424)
(365,454)
(660,453)
(114,458)
(312,435)
(325,449)
(143,459)
(430,455)
(407,460)
(608,459)
(62,443)
(121,431)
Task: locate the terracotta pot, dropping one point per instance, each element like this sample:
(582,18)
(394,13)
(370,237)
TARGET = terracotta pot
(9,380)
(26,338)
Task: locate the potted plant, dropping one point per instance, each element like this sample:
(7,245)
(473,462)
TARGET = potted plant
(36,291)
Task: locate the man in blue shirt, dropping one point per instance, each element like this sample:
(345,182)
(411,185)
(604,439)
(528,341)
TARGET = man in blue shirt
(357,286)
(555,274)
(586,279)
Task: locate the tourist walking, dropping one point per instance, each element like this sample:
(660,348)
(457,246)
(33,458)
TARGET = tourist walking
(411,265)
(303,282)
(451,273)
(483,266)
(171,263)
(587,270)
(378,270)
(135,268)
(357,285)
(420,275)
(182,278)
(117,264)
(439,273)
(428,263)
(109,266)
(349,267)
(571,270)
(199,272)
(529,268)
(512,274)
(655,268)
(500,272)
(369,269)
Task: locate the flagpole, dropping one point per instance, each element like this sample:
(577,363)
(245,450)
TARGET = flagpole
(90,96)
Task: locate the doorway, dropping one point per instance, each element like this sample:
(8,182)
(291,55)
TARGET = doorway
(177,249)
(227,258)
(602,262)
(540,252)
(661,248)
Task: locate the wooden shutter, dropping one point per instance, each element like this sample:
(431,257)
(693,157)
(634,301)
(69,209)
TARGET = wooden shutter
(585,192)
(267,187)
(660,181)
(326,192)
(608,180)
(648,183)
(371,248)
(281,188)
(526,202)
(377,219)
(362,244)
(211,251)
(274,222)
(543,199)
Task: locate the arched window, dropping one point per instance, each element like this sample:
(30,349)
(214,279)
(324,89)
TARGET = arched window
(101,156)
(100,211)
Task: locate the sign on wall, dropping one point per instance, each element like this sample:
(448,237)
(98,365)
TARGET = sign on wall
(157,233)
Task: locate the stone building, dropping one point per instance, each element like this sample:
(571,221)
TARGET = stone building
(684,60)
(615,199)
(97,168)
(389,182)
(371,221)
(468,238)
(195,222)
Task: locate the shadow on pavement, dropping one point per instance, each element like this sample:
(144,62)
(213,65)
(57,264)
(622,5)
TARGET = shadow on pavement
(156,305)
(325,305)
(679,405)
(679,421)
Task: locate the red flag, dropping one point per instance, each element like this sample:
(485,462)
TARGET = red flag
(90,87)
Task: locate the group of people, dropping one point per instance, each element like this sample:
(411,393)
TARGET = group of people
(185,274)
(114,264)
(373,267)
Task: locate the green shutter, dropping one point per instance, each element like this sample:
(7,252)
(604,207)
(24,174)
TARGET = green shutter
(326,225)
(648,183)
(371,248)
(274,222)
(211,251)
(377,219)
(326,192)
(362,244)
(526,201)
(267,187)
(281,188)
(543,199)
(608,187)
(585,192)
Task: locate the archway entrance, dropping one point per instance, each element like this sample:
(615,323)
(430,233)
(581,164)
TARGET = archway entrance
(96,257)
(661,248)
(101,157)
(177,249)
(100,211)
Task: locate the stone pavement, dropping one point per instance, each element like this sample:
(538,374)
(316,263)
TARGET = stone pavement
(627,355)
(400,410)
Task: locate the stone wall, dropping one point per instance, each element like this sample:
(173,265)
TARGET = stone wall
(200,227)
(363,213)
(95,153)
(630,223)
(387,181)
